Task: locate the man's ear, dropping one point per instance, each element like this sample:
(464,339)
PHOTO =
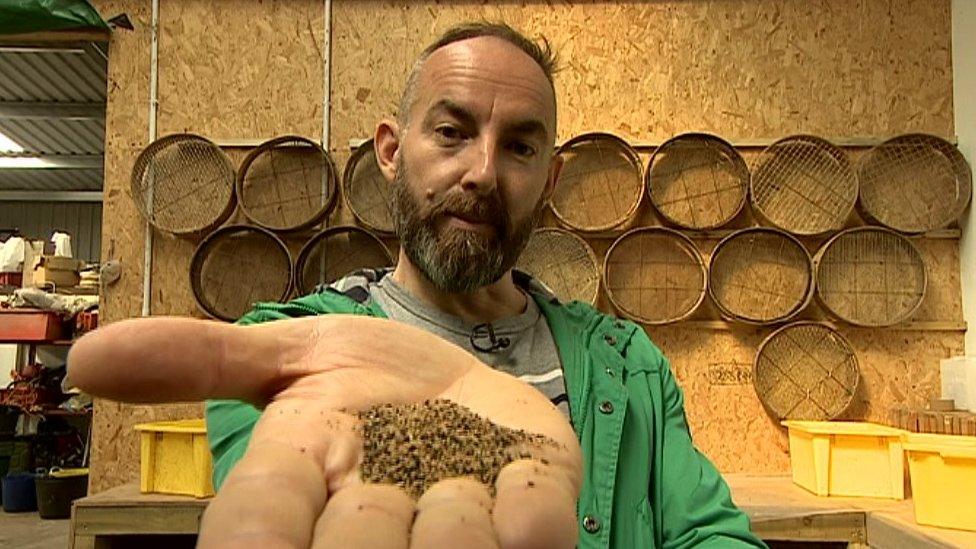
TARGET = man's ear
(555,166)
(386,142)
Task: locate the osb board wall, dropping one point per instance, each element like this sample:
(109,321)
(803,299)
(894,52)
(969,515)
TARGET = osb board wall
(114,453)
(239,69)
(648,70)
(226,70)
(714,368)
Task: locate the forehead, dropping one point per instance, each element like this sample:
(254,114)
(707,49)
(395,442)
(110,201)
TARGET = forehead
(490,73)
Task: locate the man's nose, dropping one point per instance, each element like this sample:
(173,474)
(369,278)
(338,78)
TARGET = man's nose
(481,175)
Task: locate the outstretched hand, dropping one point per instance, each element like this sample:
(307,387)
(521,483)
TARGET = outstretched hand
(299,483)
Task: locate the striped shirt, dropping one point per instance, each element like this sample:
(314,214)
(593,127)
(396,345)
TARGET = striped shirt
(520,345)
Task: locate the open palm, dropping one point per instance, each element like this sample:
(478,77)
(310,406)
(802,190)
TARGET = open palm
(299,483)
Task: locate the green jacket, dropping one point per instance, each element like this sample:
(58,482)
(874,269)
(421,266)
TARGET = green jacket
(644,483)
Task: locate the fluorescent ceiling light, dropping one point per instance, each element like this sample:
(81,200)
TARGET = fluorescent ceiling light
(8,145)
(23,162)
(40,49)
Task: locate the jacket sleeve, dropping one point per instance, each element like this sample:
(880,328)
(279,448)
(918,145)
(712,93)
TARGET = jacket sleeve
(695,501)
(230,422)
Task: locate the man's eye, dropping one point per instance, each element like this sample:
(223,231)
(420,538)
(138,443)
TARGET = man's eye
(522,149)
(448,132)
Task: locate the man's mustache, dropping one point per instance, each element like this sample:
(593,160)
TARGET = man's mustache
(487,209)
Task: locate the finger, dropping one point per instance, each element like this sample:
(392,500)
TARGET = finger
(454,513)
(271,499)
(180,359)
(366,516)
(535,506)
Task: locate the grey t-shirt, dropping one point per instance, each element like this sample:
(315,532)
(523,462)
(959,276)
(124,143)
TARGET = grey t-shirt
(530,353)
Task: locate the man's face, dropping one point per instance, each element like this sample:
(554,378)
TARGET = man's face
(473,165)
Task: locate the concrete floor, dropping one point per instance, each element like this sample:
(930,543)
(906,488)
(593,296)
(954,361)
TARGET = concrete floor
(29,531)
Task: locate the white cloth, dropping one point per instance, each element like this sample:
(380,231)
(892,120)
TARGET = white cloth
(12,255)
(62,245)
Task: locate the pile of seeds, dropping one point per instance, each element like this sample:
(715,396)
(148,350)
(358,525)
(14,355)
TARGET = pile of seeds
(416,445)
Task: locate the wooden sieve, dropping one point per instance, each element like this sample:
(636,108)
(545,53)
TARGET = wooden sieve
(336,252)
(366,192)
(564,262)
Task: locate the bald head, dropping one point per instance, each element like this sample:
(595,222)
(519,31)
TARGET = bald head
(538,54)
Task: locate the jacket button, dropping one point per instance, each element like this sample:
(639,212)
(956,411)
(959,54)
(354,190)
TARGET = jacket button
(609,371)
(610,339)
(606,407)
(591,524)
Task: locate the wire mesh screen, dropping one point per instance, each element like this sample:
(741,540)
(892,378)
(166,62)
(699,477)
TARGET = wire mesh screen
(760,275)
(804,185)
(287,183)
(183,184)
(367,193)
(697,181)
(238,266)
(336,252)
(914,183)
(655,275)
(870,277)
(806,371)
(564,262)
(600,184)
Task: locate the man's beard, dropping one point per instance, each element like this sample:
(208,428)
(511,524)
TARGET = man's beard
(453,259)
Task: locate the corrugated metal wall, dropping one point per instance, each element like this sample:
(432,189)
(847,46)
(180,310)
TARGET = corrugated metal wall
(38,220)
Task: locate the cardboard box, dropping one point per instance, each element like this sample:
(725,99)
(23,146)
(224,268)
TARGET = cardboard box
(32,255)
(59,271)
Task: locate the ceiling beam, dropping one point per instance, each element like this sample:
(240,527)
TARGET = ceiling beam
(50,196)
(54,161)
(47,110)
(67,36)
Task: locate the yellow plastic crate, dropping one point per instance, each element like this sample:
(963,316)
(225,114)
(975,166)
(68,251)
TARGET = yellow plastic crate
(943,473)
(175,458)
(834,458)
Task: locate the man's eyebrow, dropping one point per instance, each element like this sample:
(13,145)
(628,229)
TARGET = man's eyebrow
(531,127)
(450,107)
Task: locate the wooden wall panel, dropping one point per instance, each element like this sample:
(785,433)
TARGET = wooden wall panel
(114,453)
(730,426)
(648,70)
(239,69)
(227,70)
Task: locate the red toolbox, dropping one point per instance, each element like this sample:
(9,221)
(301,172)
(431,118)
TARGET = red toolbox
(30,325)
(11,279)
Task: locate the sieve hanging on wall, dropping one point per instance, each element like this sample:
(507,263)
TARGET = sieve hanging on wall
(600,184)
(237,266)
(697,181)
(914,183)
(760,275)
(334,253)
(183,184)
(806,371)
(366,192)
(564,262)
(803,184)
(288,183)
(655,275)
(870,276)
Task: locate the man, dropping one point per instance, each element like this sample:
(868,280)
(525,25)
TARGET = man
(470,158)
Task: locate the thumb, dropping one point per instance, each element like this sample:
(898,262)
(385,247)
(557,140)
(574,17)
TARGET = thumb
(164,359)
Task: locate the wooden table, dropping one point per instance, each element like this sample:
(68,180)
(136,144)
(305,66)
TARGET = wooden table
(779,510)
(114,518)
